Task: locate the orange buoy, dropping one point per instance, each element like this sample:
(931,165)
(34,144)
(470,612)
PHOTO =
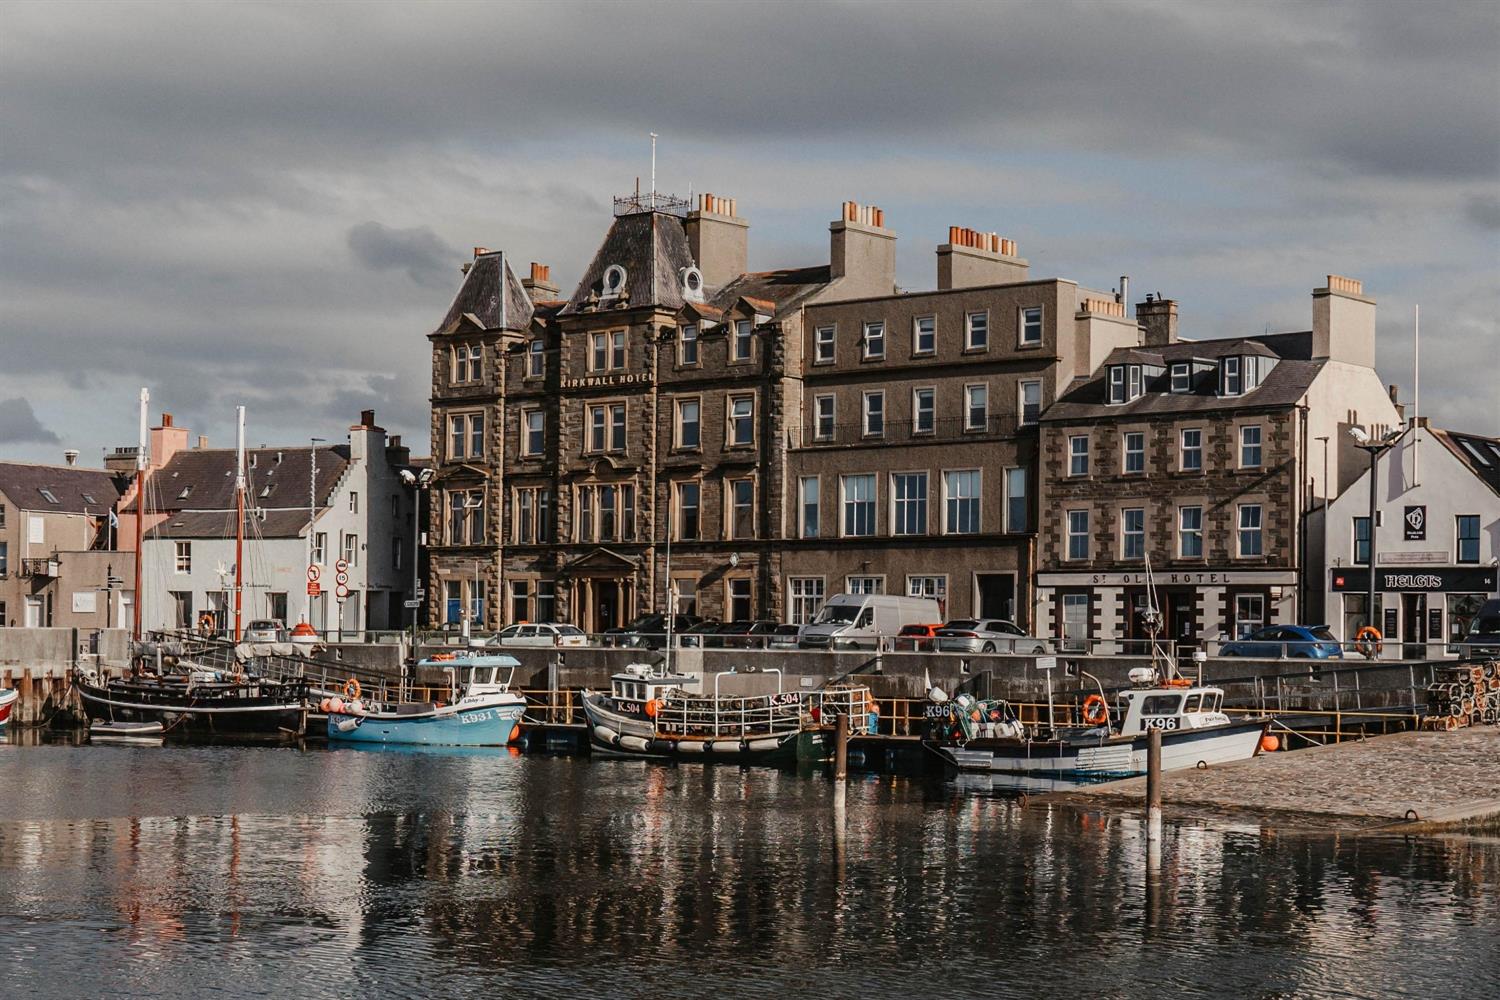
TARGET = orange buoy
(652,707)
(1269,743)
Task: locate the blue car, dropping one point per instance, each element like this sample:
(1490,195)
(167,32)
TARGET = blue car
(1314,642)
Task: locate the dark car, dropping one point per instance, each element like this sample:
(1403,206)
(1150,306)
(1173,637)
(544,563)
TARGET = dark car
(1314,642)
(649,631)
(695,637)
(744,634)
(1482,641)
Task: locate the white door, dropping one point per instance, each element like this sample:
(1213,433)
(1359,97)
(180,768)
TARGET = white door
(33,612)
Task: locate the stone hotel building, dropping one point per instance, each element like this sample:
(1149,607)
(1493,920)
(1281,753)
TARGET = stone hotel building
(764,439)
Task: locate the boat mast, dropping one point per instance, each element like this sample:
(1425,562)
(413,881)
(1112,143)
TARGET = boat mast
(239,521)
(141,464)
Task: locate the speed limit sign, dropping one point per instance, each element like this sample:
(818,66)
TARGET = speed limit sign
(341,578)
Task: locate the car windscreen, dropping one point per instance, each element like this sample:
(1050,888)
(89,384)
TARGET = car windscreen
(836,614)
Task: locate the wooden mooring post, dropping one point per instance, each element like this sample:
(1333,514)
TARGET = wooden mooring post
(1153,787)
(841,747)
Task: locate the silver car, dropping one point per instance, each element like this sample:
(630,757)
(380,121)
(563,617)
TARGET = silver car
(265,630)
(987,635)
(540,634)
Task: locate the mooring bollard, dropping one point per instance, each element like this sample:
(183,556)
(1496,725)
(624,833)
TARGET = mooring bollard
(841,747)
(1153,786)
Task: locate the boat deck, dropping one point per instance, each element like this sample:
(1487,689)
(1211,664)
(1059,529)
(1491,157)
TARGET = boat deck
(1413,782)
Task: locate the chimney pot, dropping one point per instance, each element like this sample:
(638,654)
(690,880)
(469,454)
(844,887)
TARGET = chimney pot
(166,420)
(367,418)
(71,456)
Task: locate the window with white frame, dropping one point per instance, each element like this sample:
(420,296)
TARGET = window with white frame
(353,502)
(741,607)
(1078,534)
(931,587)
(1250,530)
(468,363)
(1016,519)
(743,341)
(536,358)
(1078,455)
(1190,532)
(351,549)
(808,503)
(823,340)
(687,344)
(1133,533)
(465,436)
(606,429)
(976,407)
(976,331)
(1031,326)
(823,418)
(465,518)
(742,508)
(1116,384)
(520,601)
(1190,457)
(1250,454)
(909,503)
(741,420)
(1133,382)
(534,432)
(688,423)
(1134,460)
(874,413)
(864,584)
(806,598)
(320,548)
(688,497)
(874,340)
(183,551)
(1030,395)
(1249,614)
(923,410)
(1230,384)
(1182,378)
(859,505)
(924,335)
(961,501)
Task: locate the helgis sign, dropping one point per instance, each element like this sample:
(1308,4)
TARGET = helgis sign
(1468,580)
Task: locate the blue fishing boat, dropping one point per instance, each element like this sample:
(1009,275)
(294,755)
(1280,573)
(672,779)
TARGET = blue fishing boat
(475,707)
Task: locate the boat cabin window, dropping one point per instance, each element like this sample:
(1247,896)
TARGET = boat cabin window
(1192,703)
(1212,700)
(1161,704)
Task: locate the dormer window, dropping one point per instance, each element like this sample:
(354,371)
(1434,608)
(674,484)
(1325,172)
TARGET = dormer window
(1133,382)
(1255,370)
(1231,382)
(1182,378)
(614,280)
(1117,383)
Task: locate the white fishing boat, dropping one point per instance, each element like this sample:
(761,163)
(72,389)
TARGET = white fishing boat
(105,731)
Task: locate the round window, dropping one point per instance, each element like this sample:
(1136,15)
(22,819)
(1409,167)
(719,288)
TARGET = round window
(614,279)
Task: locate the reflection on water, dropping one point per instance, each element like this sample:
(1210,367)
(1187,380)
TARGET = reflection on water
(180,871)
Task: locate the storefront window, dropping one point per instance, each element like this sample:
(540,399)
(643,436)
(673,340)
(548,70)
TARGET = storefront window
(1355,617)
(1461,611)
(1249,614)
(1075,622)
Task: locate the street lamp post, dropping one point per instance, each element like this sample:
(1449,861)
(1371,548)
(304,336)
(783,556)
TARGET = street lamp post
(1374,447)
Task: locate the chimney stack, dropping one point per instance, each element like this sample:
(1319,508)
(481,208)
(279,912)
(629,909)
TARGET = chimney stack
(71,456)
(971,258)
(718,239)
(1343,322)
(539,286)
(1157,317)
(862,252)
(166,441)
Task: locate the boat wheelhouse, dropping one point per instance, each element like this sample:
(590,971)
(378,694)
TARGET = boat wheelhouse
(471,704)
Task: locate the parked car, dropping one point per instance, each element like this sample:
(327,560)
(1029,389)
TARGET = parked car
(917,638)
(987,635)
(649,631)
(540,634)
(744,634)
(266,630)
(785,637)
(1482,641)
(1315,642)
(695,637)
(858,621)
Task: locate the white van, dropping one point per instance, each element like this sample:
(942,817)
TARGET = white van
(860,621)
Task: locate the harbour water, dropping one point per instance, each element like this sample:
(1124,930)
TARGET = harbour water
(194,871)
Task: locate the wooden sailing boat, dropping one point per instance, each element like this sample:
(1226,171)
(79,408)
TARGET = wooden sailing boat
(165,687)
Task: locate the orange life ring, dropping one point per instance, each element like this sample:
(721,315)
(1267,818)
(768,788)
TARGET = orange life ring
(1095,710)
(351,689)
(1367,641)
(652,708)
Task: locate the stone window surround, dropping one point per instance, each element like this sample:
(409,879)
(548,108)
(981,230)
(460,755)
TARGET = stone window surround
(525,427)
(1144,431)
(1145,509)
(1067,540)
(946,528)
(589,406)
(732,337)
(467,416)
(730,580)
(1204,507)
(612,363)
(1241,502)
(680,342)
(675,503)
(1086,455)
(730,399)
(677,444)
(472,359)
(532,357)
(729,507)
(1239,444)
(1181,450)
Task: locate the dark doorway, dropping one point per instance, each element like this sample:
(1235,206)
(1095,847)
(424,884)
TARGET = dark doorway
(1182,618)
(606,604)
(997,596)
(1413,626)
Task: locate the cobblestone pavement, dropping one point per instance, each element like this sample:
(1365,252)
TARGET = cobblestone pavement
(1447,779)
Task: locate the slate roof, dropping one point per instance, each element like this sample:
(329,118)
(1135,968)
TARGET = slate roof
(491,296)
(1481,454)
(782,290)
(207,475)
(1284,385)
(22,483)
(220,524)
(652,248)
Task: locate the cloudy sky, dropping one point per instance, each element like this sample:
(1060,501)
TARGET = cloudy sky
(268,204)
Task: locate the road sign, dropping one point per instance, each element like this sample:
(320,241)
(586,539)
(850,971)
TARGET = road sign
(341,592)
(313,573)
(1046,663)
(411,605)
(342,566)
(341,578)
(313,588)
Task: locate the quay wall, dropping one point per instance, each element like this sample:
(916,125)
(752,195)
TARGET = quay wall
(36,661)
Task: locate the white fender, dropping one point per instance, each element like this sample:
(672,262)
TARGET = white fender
(690,746)
(726,746)
(347,725)
(635,743)
(605,734)
(766,744)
